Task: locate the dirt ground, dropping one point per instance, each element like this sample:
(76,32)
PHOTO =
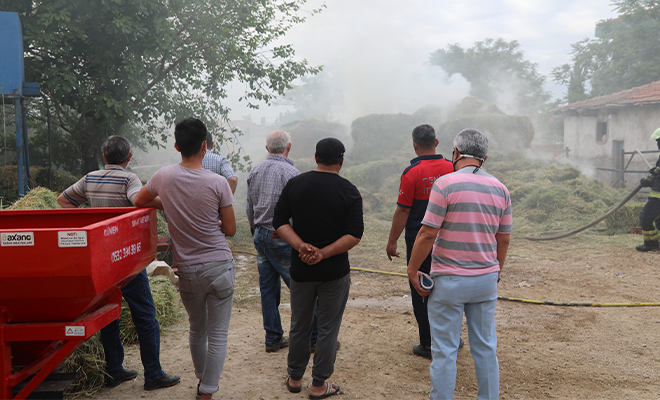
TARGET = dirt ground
(545,352)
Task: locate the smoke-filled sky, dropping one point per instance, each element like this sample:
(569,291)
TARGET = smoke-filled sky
(376,51)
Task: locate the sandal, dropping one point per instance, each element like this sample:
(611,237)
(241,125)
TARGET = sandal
(330,390)
(291,388)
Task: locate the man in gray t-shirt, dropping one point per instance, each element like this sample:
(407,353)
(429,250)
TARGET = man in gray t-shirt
(193,198)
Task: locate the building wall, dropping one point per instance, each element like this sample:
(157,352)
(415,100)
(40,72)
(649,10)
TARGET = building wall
(631,125)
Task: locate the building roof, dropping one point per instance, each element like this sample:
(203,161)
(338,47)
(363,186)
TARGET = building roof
(637,96)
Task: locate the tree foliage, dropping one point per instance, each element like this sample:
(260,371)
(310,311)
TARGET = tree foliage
(109,65)
(498,73)
(625,54)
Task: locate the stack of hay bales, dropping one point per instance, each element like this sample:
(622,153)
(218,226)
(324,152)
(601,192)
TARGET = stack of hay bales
(89,360)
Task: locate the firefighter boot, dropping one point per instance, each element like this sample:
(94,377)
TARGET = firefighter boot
(649,245)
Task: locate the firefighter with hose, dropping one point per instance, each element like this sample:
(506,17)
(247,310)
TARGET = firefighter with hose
(651,211)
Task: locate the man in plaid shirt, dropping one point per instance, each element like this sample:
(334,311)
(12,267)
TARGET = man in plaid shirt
(219,164)
(265,184)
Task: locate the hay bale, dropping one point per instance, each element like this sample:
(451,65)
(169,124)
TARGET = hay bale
(37,199)
(625,218)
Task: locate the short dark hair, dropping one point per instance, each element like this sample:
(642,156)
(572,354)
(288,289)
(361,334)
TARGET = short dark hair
(424,136)
(116,149)
(189,135)
(329,151)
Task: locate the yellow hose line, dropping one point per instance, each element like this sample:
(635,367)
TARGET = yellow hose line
(547,303)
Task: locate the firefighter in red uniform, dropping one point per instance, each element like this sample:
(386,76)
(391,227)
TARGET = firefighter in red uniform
(416,185)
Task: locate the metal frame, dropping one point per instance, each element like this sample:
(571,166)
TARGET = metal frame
(61,347)
(624,166)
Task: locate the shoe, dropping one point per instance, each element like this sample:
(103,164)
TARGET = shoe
(330,390)
(291,388)
(271,348)
(125,375)
(644,247)
(198,395)
(312,348)
(422,351)
(461,344)
(162,382)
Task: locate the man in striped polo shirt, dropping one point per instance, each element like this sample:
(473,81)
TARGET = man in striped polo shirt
(114,187)
(467,226)
(414,190)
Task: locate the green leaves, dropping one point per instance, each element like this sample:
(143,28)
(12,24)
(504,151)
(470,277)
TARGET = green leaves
(625,54)
(111,65)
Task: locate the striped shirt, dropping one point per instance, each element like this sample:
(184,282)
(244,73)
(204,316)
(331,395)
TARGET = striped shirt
(109,187)
(265,184)
(218,164)
(469,209)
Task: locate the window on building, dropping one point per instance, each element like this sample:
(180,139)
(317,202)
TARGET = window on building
(601,132)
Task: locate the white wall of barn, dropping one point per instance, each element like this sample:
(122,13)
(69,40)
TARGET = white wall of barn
(631,125)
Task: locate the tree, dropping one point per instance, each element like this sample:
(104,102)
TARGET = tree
(109,66)
(625,54)
(498,73)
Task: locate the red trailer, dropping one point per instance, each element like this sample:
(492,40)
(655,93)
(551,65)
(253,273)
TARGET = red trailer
(60,275)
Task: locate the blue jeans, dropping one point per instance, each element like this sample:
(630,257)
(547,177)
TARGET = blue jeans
(274,262)
(476,296)
(207,290)
(138,296)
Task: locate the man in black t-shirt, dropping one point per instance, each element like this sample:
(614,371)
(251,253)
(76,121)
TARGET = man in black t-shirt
(326,210)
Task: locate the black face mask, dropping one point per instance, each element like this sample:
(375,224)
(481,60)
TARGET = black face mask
(481,160)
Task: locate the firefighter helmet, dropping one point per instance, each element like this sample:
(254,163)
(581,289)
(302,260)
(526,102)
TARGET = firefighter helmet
(656,134)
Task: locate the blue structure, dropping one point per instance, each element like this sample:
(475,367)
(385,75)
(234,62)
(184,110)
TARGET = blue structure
(14,89)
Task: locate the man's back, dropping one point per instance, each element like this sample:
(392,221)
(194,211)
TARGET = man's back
(191,198)
(265,184)
(324,207)
(109,187)
(470,209)
(416,183)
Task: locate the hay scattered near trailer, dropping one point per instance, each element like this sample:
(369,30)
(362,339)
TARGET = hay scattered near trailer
(625,218)
(38,198)
(89,360)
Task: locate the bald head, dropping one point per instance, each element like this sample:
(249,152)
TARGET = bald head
(278,142)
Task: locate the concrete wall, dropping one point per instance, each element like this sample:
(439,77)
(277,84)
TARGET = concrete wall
(631,125)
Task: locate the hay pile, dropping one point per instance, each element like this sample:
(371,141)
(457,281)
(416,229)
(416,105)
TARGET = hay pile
(548,196)
(625,218)
(37,199)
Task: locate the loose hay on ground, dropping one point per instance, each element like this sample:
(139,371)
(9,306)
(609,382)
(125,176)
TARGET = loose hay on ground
(89,360)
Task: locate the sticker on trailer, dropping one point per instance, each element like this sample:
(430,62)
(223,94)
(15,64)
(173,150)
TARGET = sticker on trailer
(17,239)
(74,331)
(72,238)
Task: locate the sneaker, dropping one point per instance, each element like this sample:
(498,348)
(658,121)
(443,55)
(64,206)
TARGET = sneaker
(162,382)
(312,348)
(125,375)
(422,351)
(271,348)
